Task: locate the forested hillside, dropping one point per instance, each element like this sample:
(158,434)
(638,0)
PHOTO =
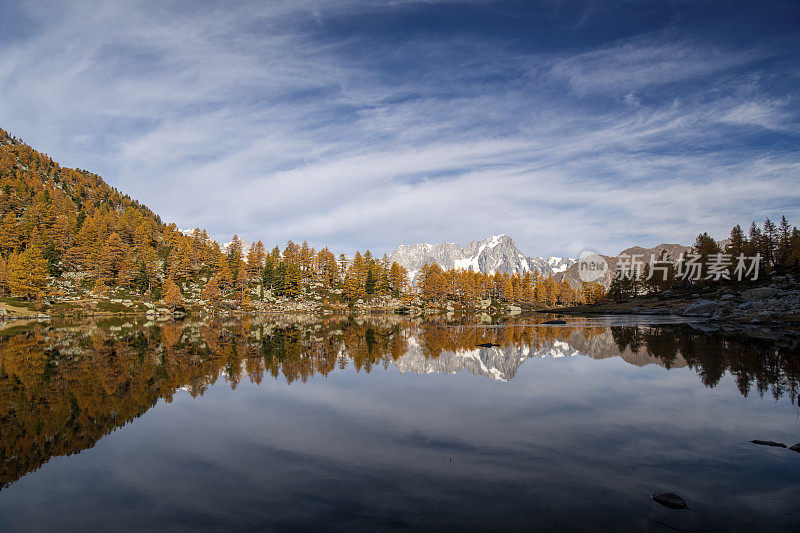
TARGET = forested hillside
(57,221)
(66,235)
(63,229)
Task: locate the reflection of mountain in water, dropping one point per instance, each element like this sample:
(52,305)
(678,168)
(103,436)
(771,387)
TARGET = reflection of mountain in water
(502,362)
(499,363)
(63,387)
(604,345)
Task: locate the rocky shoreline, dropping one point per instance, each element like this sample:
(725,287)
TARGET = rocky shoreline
(763,310)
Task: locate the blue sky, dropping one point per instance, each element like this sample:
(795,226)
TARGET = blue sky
(359,124)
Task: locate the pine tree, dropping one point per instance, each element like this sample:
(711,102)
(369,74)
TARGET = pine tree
(794,250)
(704,246)
(306,260)
(127,270)
(99,287)
(591,292)
(172,294)
(352,284)
(268,274)
(255,260)
(224,277)
(736,243)
(279,281)
(180,261)
(27,274)
(3,274)
(527,288)
(770,242)
(235,253)
(328,267)
(398,279)
(240,285)
(784,242)
(369,284)
(753,245)
(506,288)
(211,292)
(113,257)
(9,236)
(292,278)
(358,272)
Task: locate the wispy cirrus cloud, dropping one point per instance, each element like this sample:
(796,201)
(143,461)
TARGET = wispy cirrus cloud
(360,125)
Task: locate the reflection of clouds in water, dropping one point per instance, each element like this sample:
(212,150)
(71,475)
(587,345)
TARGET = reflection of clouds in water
(300,454)
(572,439)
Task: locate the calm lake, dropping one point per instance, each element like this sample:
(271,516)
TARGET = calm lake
(387,423)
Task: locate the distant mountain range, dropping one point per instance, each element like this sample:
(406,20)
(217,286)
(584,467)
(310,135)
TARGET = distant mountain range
(499,254)
(496,254)
(673,251)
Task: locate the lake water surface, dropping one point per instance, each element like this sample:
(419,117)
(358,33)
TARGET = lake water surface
(388,424)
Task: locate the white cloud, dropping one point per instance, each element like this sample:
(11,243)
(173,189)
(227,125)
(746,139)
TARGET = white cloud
(254,120)
(764,114)
(645,62)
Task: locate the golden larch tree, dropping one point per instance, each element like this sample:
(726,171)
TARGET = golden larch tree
(26,274)
(211,292)
(172,294)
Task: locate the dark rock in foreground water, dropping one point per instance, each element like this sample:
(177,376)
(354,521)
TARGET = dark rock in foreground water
(554,322)
(669,499)
(795,448)
(487,345)
(769,443)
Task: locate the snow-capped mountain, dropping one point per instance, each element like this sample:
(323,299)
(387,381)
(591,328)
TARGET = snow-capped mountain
(559,264)
(492,255)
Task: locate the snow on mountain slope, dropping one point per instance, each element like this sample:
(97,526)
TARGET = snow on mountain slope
(559,264)
(501,363)
(496,254)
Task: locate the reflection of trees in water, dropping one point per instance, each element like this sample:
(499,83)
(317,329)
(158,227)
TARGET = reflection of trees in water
(63,387)
(435,339)
(752,362)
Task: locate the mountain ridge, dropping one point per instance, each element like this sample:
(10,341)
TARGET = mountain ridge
(673,251)
(494,254)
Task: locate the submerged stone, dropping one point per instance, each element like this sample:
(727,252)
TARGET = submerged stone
(769,443)
(669,499)
(795,448)
(554,322)
(487,345)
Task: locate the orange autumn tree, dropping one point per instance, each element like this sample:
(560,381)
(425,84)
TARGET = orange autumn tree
(26,274)
(172,294)
(211,292)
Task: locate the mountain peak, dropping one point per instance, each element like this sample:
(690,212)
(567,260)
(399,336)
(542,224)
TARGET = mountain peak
(491,255)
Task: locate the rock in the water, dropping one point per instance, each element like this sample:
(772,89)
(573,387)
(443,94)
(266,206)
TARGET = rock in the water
(554,322)
(487,345)
(795,448)
(769,443)
(669,499)
(701,308)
